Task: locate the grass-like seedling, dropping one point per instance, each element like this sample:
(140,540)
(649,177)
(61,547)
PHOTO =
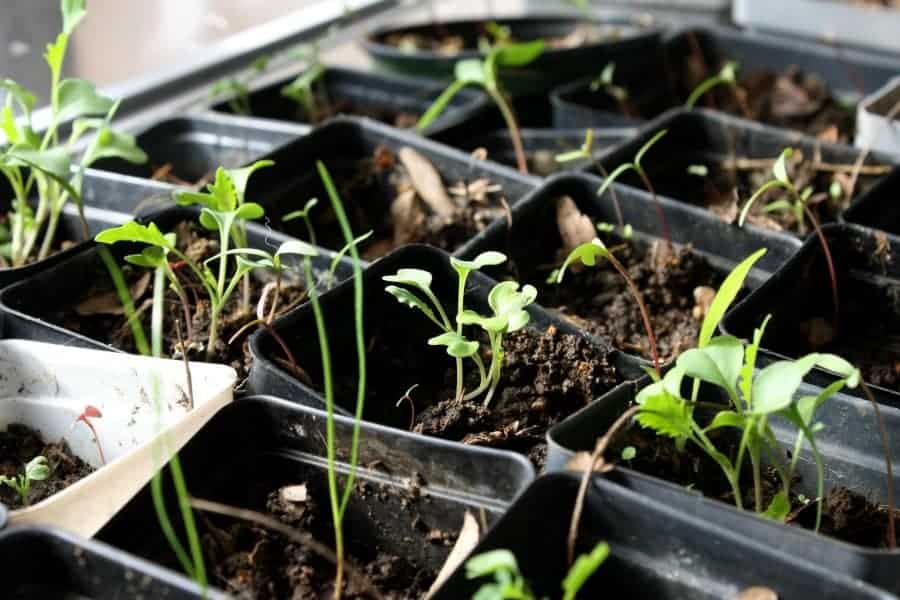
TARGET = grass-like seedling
(483,73)
(636,166)
(588,254)
(37,469)
(727,76)
(510,584)
(798,203)
(506,300)
(237,89)
(754,397)
(44,162)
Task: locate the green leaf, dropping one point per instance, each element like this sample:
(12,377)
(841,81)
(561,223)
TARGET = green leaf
(249,211)
(488,563)
(582,569)
(509,303)
(37,469)
(301,214)
(54,161)
(611,178)
(666,415)
(718,363)
(774,386)
(807,406)
(778,508)
(441,103)
(519,55)
(495,324)
(750,359)
(303,84)
(835,363)
(569,156)
(115,144)
(55,54)
(485,259)
(73,11)
(24,98)
(240,177)
(728,291)
(135,232)
(355,242)
(587,253)
(404,296)
(210,220)
(470,71)
(728,74)
(779,169)
(78,98)
(646,147)
(628,453)
(771,184)
(726,418)
(296,247)
(415,277)
(458,346)
(150,258)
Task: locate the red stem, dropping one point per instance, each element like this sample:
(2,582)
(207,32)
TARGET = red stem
(659,211)
(96,438)
(828,260)
(645,315)
(886,446)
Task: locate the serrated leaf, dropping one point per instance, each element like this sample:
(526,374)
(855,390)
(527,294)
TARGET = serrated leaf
(150,258)
(509,303)
(586,253)
(718,363)
(666,415)
(519,55)
(728,291)
(458,346)
(55,54)
(135,232)
(79,98)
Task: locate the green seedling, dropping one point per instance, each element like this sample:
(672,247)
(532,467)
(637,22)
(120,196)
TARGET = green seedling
(636,166)
(754,397)
(483,73)
(237,89)
(510,584)
(37,469)
(43,162)
(727,76)
(798,204)
(587,254)
(507,303)
(301,91)
(605,83)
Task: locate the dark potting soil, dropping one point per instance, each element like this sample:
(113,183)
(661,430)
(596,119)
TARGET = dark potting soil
(327,107)
(18,445)
(382,195)
(723,187)
(252,562)
(98,313)
(847,515)
(546,376)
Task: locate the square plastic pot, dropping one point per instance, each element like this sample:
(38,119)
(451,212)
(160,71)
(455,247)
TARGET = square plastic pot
(342,144)
(846,74)
(256,445)
(876,208)
(852,456)
(29,312)
(46,387)
(656,550)
(799,298)
(393,99)
(194,146)
(876,130)
(42,563)
(630,41)
(706,137)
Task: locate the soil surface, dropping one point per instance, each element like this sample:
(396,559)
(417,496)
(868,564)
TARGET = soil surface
(847,515)
(546,376)
(18,445)
(327,107)
(252,562)
(98,313)
(402,199)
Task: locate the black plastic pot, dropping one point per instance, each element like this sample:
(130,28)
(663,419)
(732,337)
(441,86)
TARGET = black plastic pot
(632,42)
(876,209)
(29,312)
(47,564)
(852,455)
(799,298)
(847,74)
(394,331)
(708,138)
(657,550)
(194,146)
(342,145)
(542,145)
(256,445)
(392,99)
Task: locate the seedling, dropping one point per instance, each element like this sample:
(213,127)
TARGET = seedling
(91,412)
(37,469)
(727,76)
(506,300)
(754,397)
(483,73)
(237,89)
(301,91)
(636,166)
(604,82)
(798,204)
(43,162)
(588,254)
(510,584)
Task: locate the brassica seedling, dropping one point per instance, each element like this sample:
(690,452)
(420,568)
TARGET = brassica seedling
(301,91)
(37,469)
(237,89)
(42,162)
(727,76)
(798,205)
(507,302)
(636,166)
(604,82)
(510,584)
(754,397)
(483,73)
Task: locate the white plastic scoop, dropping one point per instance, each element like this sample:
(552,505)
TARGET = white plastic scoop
(143,402)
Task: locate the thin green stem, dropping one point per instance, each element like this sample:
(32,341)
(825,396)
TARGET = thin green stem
(510,118)
(115,273)
(460,304)
(166,525)
(187,516)
(156,316)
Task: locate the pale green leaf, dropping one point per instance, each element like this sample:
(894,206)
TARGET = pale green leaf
(485,259)
(296,247)
(582,569)
(458,346)
(587,253)
(470,70)
(79,98)
(728,291)
(249,211)
(73,11)
(406,297)
(135,232)
(415,277)
(779,169)
(611,178)
(838,365)
(778,508)
(774,386)
(726,418)
(491,562)
(519,55)
(37,469)
(718,363)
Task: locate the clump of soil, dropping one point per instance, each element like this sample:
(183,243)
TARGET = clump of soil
(18,445)
(402,199)
(98,313)
(256,563)
(846,515)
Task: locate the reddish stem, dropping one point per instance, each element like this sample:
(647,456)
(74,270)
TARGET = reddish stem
(886,447)
(659,211)
(84,417)
(645,315)
(828,260)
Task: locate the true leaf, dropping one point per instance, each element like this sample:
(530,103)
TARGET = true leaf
(750,359)
(719,362)
(115,144)
(666,415)
(53,161)
(24,98)
(458,346)
(135,232)
(726,418)
(78,98)
(508,302)
(150,258)
(37,469)
(240,177)
(728,291)
(72,13)
(495,324)
(582,569)
(774,386)
(491,562)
